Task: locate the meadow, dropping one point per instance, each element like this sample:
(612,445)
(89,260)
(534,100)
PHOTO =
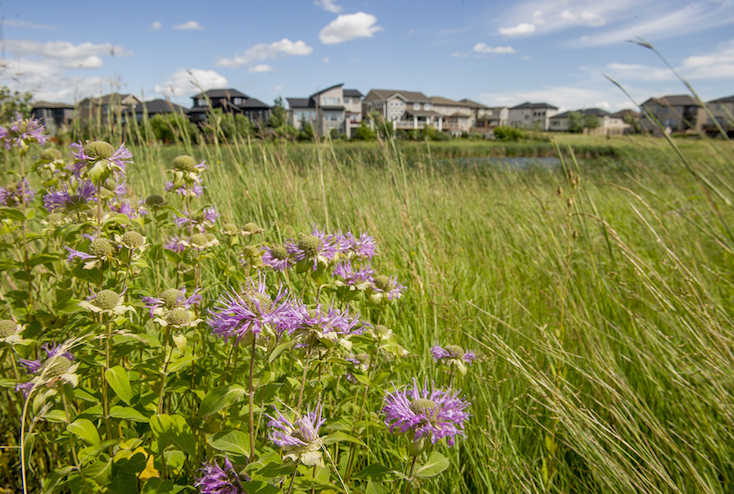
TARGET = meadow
(596,296)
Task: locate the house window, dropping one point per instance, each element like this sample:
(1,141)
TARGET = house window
(416,106)
(427,106)
(346,101)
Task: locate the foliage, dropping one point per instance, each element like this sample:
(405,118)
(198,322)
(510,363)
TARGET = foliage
(364,132)
(12,102)
(279,115)
(508,134)
(575,122)
(173,127)
(590,121)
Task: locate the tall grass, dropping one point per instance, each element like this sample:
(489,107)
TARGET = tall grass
(598,293)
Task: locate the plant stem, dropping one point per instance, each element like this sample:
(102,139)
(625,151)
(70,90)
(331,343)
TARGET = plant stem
(164,374)
(252,402)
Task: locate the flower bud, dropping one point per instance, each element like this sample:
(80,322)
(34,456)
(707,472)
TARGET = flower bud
(185,163)
(309,244)
(154,200)
(99,150)
(101,247)
(106,300)
(51,154)
(171,297)
(133,239)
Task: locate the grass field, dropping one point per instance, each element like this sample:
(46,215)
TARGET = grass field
(597,293)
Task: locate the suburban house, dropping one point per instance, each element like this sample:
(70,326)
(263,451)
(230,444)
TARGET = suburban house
(532,115)
(486,118)
(676,113)
(458,116)
(108,105)
(331,109)
(722,110)
(54,116)
(607,124)
(228,100)
(405,109)
(158,106)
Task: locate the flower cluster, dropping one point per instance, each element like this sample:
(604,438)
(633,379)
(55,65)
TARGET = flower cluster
(173,308)
(434,413)
(22,132)
(214,479)
(299,438)
(18,193)
(453,356)
(58,366)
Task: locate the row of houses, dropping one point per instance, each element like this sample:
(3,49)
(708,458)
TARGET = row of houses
(340,110)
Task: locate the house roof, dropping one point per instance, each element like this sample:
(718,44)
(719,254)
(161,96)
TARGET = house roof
(674,100)
(160,106)
(626,112)
(727,99)
(254,103)
(383,94)
(327,89)
(47,104)
(532,106)
(588,111)
(299,103)
(112,97)
(221,93)
(352,93)
(474,104)
(423,113)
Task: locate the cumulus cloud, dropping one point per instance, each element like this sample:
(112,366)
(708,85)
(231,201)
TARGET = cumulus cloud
(155,26)
(264,51)
(329,5)
(256,69)
(189,26)
(349,26)
(522,28)
(91,62)
(62,49)
(483,48)
(185,82)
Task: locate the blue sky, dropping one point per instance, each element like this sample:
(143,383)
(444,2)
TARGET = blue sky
(494,52)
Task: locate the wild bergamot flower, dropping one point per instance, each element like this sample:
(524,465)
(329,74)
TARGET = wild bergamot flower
(99,158)
(173,308)
(277,258)
(453,355)
(62,199)
(22,132)
(99,250)
(314,248)
(434,414)
(354,278)
(10,331)
(214,479)
(299,437)
(385,288)
(107,302)
(18,193)
(58,366)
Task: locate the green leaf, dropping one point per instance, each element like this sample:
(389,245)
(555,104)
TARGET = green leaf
(118,380)
(341,436)
(13,214)
(255,487)
(127,413)
(234,442)
(173,428)
(85,430)
(378,473)
(273,469)
(53,480)
(435,464)
(219,398)
(374,488)
(180,363)
(58,416)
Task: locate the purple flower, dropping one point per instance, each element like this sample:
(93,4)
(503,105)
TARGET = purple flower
(182,221)
(435,414)
(318,247)
(324,324)
(359,278)
(21,132)
(214,479)
(194,190)
(210,215)
(387,287)
(100,249)
(250,314)
(277,258)
(17,193)
(57,363)
(94,152)
(175,243)
(62,199)
(125,208)
(299,438)
(171,299)
(452,352)
(363,247)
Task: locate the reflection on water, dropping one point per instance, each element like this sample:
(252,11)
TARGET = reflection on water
(517,163)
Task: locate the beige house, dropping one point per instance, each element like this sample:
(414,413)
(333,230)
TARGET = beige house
(111,105)
(532,115)
(405,109)
(458,116)
(676,113)
(608,124)
(722,110)
(333,108)
(486,118)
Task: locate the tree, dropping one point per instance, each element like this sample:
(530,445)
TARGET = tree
(575,122)
(12,102)
(591,121)
(279,117)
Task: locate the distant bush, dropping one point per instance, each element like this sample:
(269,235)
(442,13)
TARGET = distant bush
(505,133)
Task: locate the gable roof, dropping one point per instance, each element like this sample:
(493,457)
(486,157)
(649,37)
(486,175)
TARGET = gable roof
(299,103)
(48,104)
(221,93)
(440,100)
(105,99)
(674,100)
(254,103)
(727,99)
(588,111)
(533,106)
(383,94)
(474,104)
(160,106)
(324,90)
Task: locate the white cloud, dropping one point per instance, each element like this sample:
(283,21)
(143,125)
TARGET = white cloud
(25,24)
(155,26)
(264,51)
(457,54)
(483,48)
(278,88)
(261,68)
(62,49)
(329,5)
(349,26)
(326,60)
(91,62)
(189,26)
(185,82)
(522,28)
